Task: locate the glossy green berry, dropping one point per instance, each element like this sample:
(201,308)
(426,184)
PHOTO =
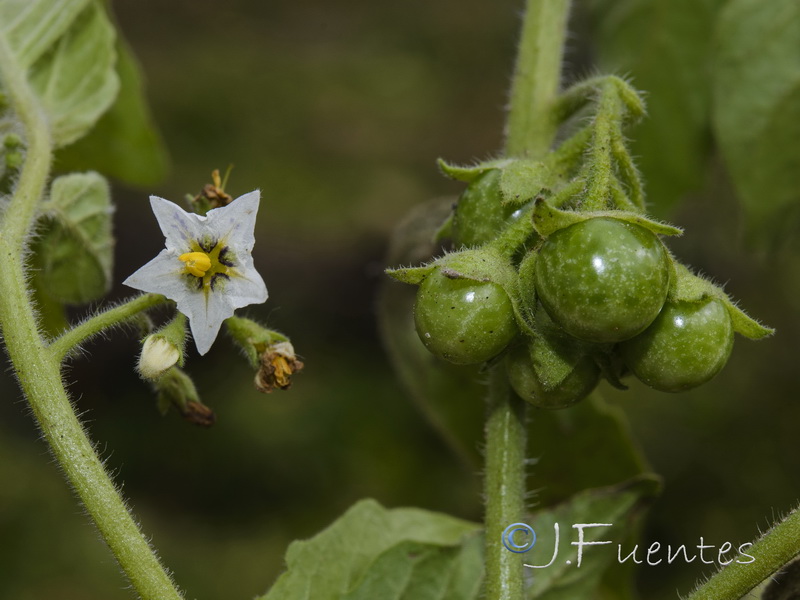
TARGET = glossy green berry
(462,320)
(480,214)
(602,280)
(685,346)
(527,381)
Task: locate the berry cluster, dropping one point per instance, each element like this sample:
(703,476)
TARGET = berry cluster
(562,276)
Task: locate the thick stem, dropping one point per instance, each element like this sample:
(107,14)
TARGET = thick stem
(532,121)
(776,548)
(530,130)
(38,368)
(504,486)
(61,346)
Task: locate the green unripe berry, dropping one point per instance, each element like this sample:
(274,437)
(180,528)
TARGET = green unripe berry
(527,382)
(463,321)
(480,214)
(685,346)
(602,280)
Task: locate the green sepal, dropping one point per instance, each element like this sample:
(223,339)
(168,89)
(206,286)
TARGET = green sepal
(744,324)
(522,180)
(175,388)
(411,275)
(688,287)
(252,337)
(548,219)
(175,334)
(612,369)
(468,174)
(480,264)
(75,250)
(524,296)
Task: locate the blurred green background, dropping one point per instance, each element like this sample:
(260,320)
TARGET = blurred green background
(338,112)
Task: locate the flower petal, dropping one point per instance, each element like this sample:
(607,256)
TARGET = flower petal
(246,286)
(178,226)
(236,222)
(206,314)
(162,275)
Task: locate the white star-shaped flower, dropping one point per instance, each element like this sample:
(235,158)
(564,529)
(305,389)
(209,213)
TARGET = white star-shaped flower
(206,267)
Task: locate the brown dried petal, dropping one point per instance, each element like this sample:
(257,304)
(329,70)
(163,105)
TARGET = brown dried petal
(276,370)
(198,414)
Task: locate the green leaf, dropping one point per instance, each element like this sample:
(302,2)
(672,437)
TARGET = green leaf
(615,506)
(757,108)
(665,48)
(125,143)
(67,49)
(371,552)
(75,251)
(415,571)
(450,396)
(594,445)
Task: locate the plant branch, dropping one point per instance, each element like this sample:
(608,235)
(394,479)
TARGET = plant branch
(504,485)
(776,548)
(37,367)
(532,120)
(70,339)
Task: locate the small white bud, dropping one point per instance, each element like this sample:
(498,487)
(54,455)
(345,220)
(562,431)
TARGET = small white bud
(158,355)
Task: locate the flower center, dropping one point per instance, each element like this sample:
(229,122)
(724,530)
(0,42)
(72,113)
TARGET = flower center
(197,263)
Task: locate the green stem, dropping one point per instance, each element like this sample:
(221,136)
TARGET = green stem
(776,548)
(37,367)
(18,218)
(504,486)
(530,130)
(532,121)
(69,340)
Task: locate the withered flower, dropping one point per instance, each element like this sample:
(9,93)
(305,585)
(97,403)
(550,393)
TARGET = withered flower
(277,365)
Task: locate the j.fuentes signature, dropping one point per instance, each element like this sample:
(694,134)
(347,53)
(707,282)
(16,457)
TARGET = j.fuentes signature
(521,537)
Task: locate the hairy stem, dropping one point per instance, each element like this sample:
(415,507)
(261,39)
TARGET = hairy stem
(504,486)
(69,340)
(530,130)
(776,548)
(37,367)
(18,217)
(601,168)
(532,121)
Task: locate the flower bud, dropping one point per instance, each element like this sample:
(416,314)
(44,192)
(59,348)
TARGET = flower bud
(158,355)
(163,349)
